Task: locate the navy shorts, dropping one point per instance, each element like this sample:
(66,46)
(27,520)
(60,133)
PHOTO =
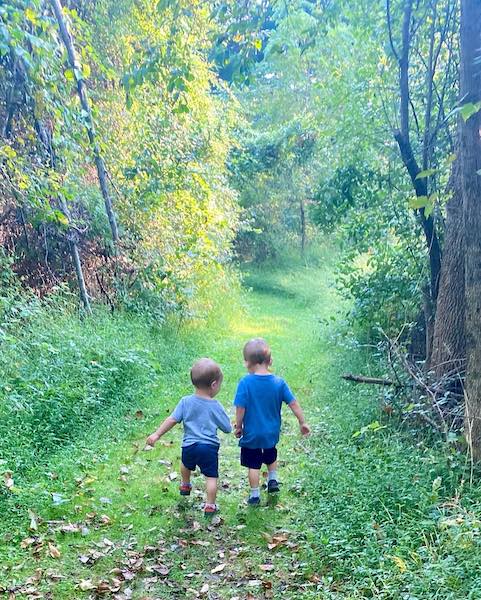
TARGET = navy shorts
(204,456)
(254,458)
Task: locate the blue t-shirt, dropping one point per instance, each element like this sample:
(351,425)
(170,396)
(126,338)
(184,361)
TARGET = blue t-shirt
(262,397)
(201,419)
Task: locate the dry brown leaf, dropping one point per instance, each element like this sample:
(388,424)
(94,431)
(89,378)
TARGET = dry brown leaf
(160,569)
(53,550)
(86,584)
(103,587)
(266,567)
(218,568)
(70,528)
(8,477)
(200,543)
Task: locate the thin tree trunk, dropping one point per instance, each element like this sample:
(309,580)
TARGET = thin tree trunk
(402,137)
(449,346)
(470,144)
(73,247)
(83,96)
(302,212)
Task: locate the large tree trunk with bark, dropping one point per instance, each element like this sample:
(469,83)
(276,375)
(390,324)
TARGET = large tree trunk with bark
(449,347)
(470,145)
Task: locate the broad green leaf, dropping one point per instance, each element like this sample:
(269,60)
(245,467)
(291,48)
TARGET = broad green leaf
(418,202)
(469,109)
(426,173)
(69,75)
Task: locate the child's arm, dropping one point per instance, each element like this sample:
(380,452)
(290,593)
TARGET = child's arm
(164,428)
(240,411)
(297,410)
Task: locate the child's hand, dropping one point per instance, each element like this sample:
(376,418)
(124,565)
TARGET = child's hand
(305,429)
(238,432)
(151,440)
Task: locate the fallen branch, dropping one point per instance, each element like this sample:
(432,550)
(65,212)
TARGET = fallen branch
(363,379)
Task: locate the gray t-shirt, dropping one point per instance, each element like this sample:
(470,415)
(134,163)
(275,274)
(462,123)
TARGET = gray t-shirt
(201,419)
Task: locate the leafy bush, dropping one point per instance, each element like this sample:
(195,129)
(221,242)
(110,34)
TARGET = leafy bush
(382,264)
(60,373)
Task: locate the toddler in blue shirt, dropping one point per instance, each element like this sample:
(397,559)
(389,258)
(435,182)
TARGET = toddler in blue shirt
(201,416)
(258,402)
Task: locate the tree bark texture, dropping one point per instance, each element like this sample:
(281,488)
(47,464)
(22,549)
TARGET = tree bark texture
(83,96)
(470,145)
(449,347)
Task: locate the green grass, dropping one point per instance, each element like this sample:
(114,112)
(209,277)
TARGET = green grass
(372,516)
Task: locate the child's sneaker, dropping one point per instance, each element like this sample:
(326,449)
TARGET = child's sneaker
(185,489)
(254,501)
(273,487)
(210,510)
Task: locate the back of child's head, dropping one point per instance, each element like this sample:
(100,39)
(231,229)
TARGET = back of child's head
(205,372)
(257,352)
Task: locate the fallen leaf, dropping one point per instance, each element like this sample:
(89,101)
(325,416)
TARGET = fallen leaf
(70,528)
(200,543)
(204,589)
(124,470)
(8,477)
(33,521)
(173,476)
(266,567)
(53,551)
(86,584)
(254,582)
(160,569)
(219,568)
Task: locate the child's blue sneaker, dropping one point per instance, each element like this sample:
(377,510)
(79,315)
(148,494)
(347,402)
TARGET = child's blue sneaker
(273,487)
(254,501)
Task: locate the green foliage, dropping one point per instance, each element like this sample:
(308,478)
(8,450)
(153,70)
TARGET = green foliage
(61,374)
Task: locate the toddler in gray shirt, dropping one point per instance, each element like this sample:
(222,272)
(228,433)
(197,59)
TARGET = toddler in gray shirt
(201,416)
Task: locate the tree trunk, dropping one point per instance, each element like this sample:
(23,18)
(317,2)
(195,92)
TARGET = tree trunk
(402,137)
(302,212)
(470,145)
(73,247)
(449,348)
(82,93)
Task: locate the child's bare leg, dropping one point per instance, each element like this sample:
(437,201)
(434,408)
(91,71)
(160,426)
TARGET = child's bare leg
(211,489)
(254,478)
(185,473)
(272,468)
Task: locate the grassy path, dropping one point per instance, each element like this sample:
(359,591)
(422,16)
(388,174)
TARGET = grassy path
(126,533)
(377,516)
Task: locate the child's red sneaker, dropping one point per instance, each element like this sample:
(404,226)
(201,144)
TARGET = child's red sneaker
(185,489)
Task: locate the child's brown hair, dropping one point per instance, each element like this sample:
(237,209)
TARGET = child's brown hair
(257,352)
(204,372)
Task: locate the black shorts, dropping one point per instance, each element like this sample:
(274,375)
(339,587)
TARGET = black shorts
(253,458)
(204,456)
